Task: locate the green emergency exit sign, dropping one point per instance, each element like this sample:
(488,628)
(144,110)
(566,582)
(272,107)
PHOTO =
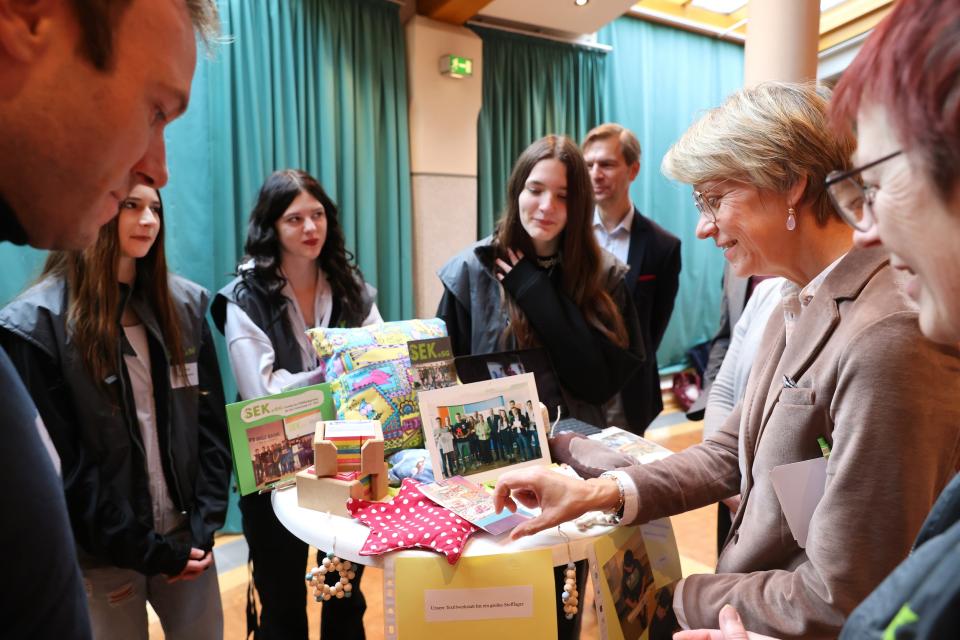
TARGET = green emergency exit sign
(456,66)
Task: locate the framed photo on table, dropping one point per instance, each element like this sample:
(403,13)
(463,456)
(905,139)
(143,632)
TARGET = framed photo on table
(479,430)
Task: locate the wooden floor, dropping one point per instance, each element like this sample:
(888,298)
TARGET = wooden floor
(696,540)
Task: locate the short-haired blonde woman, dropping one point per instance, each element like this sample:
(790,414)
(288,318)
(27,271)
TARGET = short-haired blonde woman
(843,362)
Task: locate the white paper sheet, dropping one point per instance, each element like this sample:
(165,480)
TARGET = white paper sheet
(799,487)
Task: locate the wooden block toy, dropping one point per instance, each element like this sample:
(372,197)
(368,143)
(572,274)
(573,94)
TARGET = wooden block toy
(330,493)
(348,445)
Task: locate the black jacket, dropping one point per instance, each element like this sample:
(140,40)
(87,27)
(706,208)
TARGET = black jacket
(653,280)
(97,434)
(590,368)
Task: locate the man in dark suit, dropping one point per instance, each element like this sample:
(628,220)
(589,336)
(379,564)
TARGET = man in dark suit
(651,252)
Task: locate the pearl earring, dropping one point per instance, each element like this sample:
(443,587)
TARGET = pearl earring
(791,219)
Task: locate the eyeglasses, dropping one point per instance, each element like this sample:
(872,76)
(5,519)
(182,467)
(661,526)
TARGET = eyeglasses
(704,207)
(851,196)
(708,204)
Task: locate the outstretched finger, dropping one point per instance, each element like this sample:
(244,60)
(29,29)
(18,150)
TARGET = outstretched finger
(532,526)
(504,500)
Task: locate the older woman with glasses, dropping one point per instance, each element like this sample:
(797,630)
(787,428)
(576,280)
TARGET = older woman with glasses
(903,90)
(841,375)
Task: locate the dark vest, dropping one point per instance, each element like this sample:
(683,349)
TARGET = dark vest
(247,293)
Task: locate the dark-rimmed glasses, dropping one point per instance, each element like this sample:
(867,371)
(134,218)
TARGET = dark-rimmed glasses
(851,197)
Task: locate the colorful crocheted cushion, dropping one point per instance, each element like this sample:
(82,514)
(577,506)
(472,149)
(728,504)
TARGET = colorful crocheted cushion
(345,350)
(369,371)
(384,392)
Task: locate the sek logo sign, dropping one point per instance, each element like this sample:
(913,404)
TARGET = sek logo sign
(282,407)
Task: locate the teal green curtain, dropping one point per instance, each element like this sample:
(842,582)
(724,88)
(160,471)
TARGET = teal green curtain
(658,81)
(317,85)
(309,84)
(531,87)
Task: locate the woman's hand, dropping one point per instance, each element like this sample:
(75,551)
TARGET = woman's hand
(560,498)
(731,628)
(503,268)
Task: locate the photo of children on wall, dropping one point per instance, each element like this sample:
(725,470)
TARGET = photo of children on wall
(478,429)
(640,605)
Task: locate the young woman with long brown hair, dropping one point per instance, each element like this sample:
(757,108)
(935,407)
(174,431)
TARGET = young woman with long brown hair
(541,279)
(296,275)
(121,365)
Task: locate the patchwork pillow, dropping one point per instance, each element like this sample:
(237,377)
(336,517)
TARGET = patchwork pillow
(370,376)
(344,350)
(384,392)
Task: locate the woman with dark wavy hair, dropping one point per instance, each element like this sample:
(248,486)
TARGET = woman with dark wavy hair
(120,362)
(296,275)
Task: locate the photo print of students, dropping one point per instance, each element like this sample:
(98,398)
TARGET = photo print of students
(275,455)
(489,429)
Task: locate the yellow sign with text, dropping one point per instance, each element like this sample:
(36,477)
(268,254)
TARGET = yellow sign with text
(508,596)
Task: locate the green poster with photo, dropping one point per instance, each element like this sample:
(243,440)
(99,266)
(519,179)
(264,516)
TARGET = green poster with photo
(272,437)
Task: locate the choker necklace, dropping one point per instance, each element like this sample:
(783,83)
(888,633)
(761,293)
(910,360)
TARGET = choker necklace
(548,262)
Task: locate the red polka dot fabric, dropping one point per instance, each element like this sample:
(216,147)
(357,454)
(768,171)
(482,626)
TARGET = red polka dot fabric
(411,521)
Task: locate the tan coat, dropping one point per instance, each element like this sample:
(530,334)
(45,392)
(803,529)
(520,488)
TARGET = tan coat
(888,401)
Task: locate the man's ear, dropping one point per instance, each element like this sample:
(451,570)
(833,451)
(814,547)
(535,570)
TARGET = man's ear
(634,170)
(26,27)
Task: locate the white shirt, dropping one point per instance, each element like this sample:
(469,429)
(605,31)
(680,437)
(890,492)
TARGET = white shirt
(445,441)
(617,241)
(165,516)
(252,354)
(796,299)
(731,382)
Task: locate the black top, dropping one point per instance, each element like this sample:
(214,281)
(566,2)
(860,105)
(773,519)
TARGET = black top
(588,365)
(42,594)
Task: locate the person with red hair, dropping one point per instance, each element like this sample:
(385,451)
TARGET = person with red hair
(903,94)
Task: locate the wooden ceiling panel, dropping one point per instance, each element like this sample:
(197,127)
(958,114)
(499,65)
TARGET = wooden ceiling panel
(451,11)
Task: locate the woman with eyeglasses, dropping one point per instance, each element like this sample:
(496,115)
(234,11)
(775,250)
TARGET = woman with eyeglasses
(842,373)
(904,195)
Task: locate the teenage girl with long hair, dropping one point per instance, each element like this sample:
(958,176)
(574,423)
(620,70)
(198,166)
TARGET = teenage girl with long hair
(120,362)
(296,275)
(541,280)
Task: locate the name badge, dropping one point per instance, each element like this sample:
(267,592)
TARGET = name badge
(191,379)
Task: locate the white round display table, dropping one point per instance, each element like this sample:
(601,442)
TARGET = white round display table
(345,536)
